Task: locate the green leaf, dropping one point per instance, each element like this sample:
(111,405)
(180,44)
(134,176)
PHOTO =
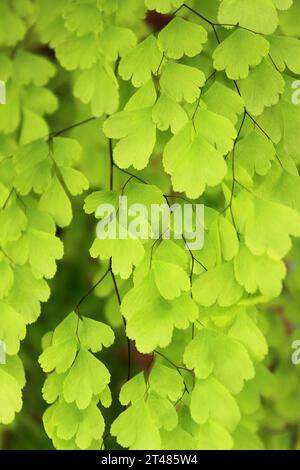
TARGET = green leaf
(27,293)
(33,167)
(117,41)
(52,387)
(13,222)
(255,153)
(250,272)
(61,353)
(162,6)
(247,333)
(56,202)
(39,245)
(140,62)
(124,253)
(90,86)
(135,428)
(285,52)
(75,181)
(169,272)
(211,400)
(212,352)
(7,276)
(181,82)
(261,88)
(94,334)
(162,411)
(133,389)
(260,17)
(240,51)
(66,422)
(193,162)
(166,382)
(78,52)
(10,396)
(224,237)
(12,28)
(12,328)
(181,37)
(217,285)
(145,310)
(167,113)
(212,436)
(267,226)
(87,377)
(31,68)
(222,100)
(136,129)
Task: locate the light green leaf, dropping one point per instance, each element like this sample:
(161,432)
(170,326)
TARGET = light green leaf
(212,352)
(141,61)
(285,52)
(135,428)
(162,6)
(261,17)
(247,333)
(261,88)
(212,436)
(167,113)
(12,328)
(181,37)
(217,285)
(181,82)
(99,87)
(61,353)
(255,153)
(87,377)
(166,382)
(240,51)
(267,226)
(193,162)
(211,400)
(145,310)
(56,202)
(250,271)
(94,334)
(223,100)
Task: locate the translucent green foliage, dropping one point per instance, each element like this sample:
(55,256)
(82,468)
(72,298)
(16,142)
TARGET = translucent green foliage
(203,108)
(188,151)
(162,6)
(261,16)
(255,153)
(240,51)
(273,227)
(133,125)
(262,88)
(217,285)
(285,53)
(76,383)
(213,352)
(144,308)
(140,62)
(182,82)
(211,400)
(180,37)
(124,249)
(250,272)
